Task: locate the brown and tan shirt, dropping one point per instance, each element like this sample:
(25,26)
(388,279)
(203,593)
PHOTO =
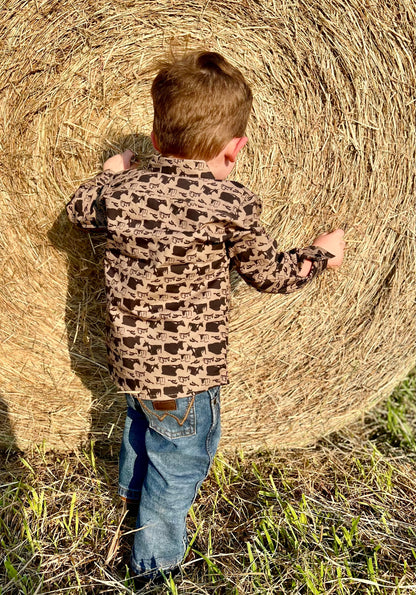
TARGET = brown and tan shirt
(172,231)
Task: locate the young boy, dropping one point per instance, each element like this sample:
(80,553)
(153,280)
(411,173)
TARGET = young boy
(172,230)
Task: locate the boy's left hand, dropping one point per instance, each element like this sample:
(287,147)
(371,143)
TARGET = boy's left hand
(119,162)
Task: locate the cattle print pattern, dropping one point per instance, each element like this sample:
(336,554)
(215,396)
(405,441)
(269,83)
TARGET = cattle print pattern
(172,230)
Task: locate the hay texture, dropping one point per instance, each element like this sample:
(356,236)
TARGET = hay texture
(331,144)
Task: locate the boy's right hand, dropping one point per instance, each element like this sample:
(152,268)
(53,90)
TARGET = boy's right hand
(332,242)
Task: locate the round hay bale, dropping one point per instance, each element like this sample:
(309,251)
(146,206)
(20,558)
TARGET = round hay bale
(331,145)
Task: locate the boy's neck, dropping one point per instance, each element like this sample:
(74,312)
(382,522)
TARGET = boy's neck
(219,168)
(222,164)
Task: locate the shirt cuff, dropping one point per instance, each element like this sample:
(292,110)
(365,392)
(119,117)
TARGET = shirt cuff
(319,258)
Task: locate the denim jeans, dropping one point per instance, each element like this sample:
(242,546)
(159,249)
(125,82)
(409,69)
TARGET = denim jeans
(164,458)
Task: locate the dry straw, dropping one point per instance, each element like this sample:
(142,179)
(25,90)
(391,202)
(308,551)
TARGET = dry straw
(332,144)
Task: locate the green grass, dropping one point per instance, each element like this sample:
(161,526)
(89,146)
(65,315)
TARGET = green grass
(338,517)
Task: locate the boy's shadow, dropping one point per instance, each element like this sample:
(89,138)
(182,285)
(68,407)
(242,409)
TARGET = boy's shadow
(85,313)
(7,438)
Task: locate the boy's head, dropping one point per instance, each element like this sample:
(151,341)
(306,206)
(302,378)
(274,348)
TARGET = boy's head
(200,103)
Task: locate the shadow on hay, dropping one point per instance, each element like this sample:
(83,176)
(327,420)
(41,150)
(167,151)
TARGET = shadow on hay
(85,315)
(7,438)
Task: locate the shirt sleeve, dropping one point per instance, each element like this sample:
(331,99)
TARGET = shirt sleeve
(87,206)
(258,260)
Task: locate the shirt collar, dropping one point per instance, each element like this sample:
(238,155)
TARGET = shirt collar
(184,167)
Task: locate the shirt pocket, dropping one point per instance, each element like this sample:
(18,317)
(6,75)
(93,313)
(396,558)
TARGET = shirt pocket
(172,424)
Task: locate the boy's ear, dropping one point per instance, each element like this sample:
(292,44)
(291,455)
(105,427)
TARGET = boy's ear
(154,141)
(234,147)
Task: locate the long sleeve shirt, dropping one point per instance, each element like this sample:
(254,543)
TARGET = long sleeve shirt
(172,231)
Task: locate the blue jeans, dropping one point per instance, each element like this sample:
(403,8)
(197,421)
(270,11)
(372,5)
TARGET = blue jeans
(164,458)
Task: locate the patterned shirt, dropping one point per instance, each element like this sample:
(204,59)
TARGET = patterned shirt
(172,231)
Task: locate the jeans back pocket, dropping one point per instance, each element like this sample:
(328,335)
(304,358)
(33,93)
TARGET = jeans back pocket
(177,423)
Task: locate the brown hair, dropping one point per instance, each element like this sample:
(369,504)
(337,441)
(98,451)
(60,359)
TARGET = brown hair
(200,103)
